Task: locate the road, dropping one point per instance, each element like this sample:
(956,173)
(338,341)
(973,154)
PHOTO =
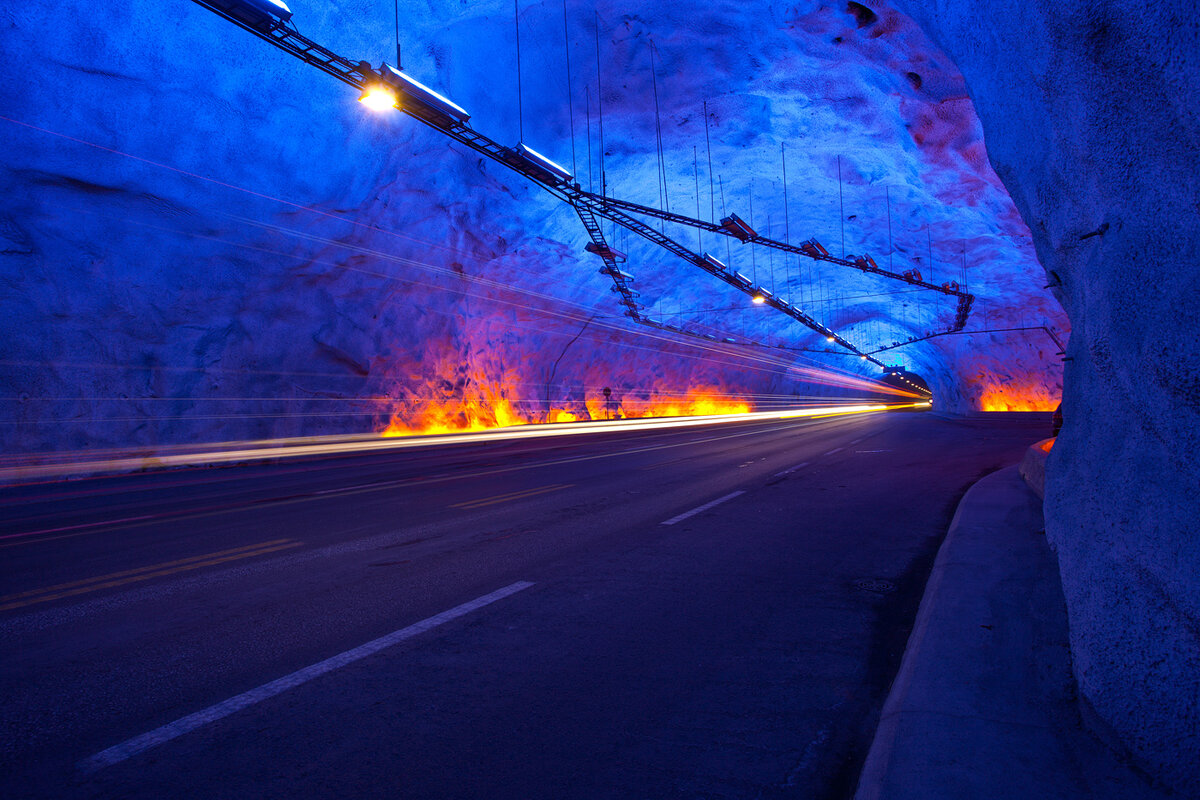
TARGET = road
(709,612)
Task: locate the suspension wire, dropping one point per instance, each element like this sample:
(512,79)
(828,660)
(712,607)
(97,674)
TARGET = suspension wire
(929,245)
(753,260)
(587,95)
(696,174)
(659,173)
(887,194)
(520,105)
(771,254)
(662,156)
(712,196)
(787,271)
(570,104)
(728,249)
(600,108)
(399,63)
(841,206)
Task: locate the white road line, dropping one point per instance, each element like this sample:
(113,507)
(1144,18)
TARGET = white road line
(790,470)
(856,441)
(834,450)
(704,507)
(354,488)
(191,722)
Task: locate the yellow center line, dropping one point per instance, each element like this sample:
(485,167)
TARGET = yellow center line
(156,571)
(123,573)
(501,498)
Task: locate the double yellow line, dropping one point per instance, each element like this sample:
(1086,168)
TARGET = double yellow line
(45,595)
(504,498)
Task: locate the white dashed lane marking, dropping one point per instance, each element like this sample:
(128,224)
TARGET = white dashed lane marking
(173,730)
(702,508)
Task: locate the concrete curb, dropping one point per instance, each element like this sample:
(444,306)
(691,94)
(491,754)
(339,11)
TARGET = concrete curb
(1033,466)
(984,704)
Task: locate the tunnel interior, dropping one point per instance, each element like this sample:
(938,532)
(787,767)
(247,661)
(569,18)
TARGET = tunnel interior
(270,238)
(203,239)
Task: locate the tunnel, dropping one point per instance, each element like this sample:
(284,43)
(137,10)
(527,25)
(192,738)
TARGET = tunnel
(206,238)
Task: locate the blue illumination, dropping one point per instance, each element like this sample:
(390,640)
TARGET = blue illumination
(413,90)
(529,154)
(255,12)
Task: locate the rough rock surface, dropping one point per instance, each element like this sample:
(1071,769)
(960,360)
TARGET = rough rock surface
(1090,112)
(204,239)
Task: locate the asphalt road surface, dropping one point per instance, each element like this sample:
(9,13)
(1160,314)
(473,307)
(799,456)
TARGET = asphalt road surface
(709,612)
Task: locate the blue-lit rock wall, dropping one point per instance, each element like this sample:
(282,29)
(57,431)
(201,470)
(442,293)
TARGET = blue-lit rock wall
(1091,119)
(205,239)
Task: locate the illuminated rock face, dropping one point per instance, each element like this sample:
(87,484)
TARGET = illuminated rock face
(336,260)
(1091,119)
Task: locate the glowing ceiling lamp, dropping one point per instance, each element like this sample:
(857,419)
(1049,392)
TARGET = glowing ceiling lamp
(829,338)
(758,299)
(378,97)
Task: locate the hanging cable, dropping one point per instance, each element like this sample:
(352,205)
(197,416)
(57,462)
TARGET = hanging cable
(662,158)
(600,110)
(696,173)
(520,105)
(712,196)
(399,63)
(570,104)
(587,94)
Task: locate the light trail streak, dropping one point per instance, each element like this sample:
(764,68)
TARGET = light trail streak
(273,449)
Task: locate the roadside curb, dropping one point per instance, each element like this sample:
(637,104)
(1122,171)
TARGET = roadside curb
(984,704)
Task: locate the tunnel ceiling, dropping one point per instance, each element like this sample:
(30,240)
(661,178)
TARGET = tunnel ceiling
(190,216)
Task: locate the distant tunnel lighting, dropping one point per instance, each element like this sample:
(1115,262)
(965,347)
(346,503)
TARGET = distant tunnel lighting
(378,98)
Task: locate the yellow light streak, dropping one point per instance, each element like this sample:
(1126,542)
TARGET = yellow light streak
(247,451)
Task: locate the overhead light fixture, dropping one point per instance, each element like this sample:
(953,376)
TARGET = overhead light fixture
(262,15)
(547,170)
(423,101)
(758,299)
(829,338)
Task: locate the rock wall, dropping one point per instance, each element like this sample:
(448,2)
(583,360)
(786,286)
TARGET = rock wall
(204,239)
(1090,113)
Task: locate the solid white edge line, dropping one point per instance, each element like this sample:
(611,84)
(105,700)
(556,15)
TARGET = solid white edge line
(191,722)
(834,450)
(702,508)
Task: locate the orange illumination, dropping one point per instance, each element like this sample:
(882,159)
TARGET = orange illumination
(378,98)
(1018,397)
(1047,444)
(484,405)
(759,299)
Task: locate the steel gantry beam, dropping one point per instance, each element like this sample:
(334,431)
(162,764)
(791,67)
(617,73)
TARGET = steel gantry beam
(809,249)
(264,19)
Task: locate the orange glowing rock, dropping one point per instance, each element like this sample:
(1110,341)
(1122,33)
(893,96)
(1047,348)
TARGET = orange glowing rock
(1015,397)
(484,406)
